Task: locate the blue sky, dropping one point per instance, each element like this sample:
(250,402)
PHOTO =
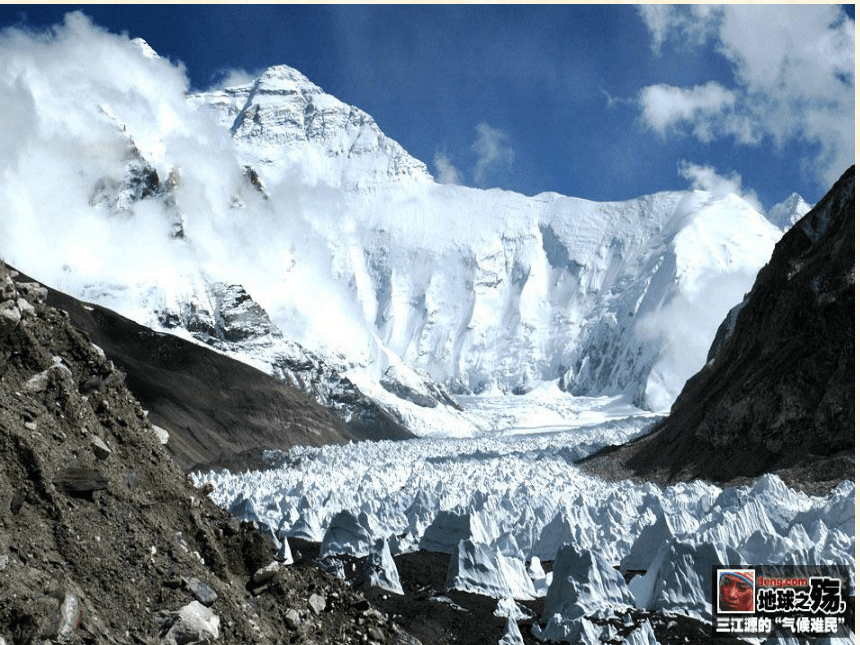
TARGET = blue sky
(604,102)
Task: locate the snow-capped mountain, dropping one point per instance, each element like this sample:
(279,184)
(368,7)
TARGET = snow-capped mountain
(489,290)
(278,224)
(787,213)
(778,393)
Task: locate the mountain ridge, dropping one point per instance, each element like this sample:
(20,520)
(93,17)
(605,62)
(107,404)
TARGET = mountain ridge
(219,412)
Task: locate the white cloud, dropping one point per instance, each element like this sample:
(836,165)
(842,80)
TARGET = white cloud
(446,172)
(76,102)
(612,101)
(234,78)
(691,24)
(707,178)
(666,108)
(658,18)
(494,152)
(793,68)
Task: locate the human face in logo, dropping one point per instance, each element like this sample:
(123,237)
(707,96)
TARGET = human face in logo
(735,594)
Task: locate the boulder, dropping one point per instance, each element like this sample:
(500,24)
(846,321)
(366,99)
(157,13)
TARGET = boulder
(316,603)
(100,449)
(10,316)
(201,591)
(263,575)
(194,623)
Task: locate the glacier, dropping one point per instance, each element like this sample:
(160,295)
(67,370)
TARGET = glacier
(499,504)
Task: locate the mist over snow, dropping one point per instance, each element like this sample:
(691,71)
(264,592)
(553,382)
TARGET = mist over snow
(78,99)
(122,188)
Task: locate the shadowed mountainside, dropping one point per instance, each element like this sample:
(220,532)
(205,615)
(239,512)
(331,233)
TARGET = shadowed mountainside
(777,393)
(219,412)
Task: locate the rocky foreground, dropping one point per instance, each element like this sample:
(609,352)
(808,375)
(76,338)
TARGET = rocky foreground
(103,539)
(219,412)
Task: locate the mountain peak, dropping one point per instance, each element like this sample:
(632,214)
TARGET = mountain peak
(788,212)
(143,47)
(278,79)
(284,122)
(284,73)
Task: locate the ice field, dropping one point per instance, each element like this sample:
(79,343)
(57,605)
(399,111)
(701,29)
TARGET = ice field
(502,502)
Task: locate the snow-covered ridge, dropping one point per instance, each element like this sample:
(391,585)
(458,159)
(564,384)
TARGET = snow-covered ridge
(494,291)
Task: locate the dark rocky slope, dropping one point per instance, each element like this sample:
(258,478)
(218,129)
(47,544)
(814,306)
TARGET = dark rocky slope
(777,393)
(103,539)
(219,412)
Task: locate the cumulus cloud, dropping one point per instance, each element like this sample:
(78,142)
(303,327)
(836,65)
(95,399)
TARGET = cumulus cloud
(446,171)
(707,178)
(793,68)
(493,150)
(666,108)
